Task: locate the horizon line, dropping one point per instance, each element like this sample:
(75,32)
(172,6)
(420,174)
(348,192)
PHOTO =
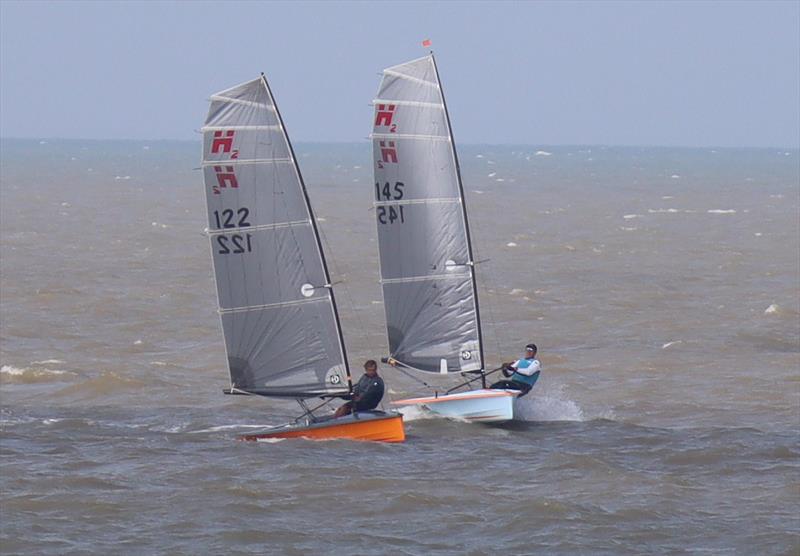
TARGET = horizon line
(460,143)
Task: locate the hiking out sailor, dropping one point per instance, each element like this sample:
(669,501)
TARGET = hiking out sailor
(523,373)
(367,392)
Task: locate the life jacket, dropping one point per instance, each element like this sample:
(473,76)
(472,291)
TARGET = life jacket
(525,379)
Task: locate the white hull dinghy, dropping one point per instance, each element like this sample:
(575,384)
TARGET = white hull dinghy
(484,406)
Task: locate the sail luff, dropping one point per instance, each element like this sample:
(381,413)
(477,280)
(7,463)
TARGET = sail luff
(217,290)
(464,212)
(320,250)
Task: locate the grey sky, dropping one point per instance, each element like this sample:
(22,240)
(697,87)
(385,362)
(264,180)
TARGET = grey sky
(617,73)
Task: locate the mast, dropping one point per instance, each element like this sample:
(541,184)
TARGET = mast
(471,262)
(316,234)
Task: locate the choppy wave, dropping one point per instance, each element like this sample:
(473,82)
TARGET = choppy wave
(10,374)
(106,384)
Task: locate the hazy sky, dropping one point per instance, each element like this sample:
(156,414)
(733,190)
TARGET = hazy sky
(617,73)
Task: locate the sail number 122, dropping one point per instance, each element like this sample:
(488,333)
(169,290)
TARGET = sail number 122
(233,243)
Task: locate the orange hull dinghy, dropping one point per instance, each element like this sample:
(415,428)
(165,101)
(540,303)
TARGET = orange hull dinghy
(375,426)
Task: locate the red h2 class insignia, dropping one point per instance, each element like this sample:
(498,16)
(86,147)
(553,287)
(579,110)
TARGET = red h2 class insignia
(388,151)
(384,115)
(226,177)
(222,143)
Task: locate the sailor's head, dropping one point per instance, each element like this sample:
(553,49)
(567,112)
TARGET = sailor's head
(371,367)
(530,351)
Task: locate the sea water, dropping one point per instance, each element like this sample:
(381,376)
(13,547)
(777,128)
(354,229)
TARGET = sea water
(661,286)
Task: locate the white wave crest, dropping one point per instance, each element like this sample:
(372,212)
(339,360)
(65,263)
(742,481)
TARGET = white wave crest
(415,413)
(721,211)
(548,402)
(17,375)
(237,426)
(547,408)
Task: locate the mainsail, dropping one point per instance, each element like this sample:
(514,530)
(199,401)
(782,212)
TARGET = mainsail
(429,291)
(282,332)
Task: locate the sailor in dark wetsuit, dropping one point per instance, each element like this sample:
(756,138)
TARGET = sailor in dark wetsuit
(367,393)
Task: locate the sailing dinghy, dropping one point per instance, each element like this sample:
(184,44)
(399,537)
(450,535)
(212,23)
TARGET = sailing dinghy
(427,268)
(282,333)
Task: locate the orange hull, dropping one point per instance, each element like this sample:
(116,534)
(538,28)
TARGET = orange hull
(387,428)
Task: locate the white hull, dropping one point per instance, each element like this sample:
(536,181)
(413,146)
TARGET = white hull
(485,406)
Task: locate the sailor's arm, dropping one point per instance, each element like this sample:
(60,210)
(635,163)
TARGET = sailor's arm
(509,368)
(532,368)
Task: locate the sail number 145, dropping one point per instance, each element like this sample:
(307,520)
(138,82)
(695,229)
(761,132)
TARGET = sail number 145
(389,192)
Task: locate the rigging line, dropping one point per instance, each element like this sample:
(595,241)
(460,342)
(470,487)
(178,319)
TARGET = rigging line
(310,412)
(408,374)
(490,285)
(360,328)
(263,322)
(465,216)
(320,251)
(280,186)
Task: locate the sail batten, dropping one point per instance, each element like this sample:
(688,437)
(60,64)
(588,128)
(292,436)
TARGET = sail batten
(239,101)
(409,103)
(427,277)
(410,136)
(416,202)
(244,161)
(424,278)
(281,329)
(271,305)
(273,226)
(411,78)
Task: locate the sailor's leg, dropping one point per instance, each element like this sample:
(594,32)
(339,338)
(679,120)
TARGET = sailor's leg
(346,409)
(523,388)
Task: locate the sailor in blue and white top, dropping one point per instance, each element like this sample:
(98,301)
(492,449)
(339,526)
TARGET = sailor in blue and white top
(523,373)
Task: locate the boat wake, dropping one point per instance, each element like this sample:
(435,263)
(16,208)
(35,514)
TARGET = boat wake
(547,408)
(416,413)
(237,426)
(552,404)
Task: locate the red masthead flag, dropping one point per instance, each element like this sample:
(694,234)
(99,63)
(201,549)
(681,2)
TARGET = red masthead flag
(426,43)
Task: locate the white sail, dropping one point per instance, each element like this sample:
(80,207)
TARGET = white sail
(279,318)
(427,277)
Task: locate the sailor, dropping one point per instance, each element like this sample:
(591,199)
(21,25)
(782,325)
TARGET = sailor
(524,372)
(367,392)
